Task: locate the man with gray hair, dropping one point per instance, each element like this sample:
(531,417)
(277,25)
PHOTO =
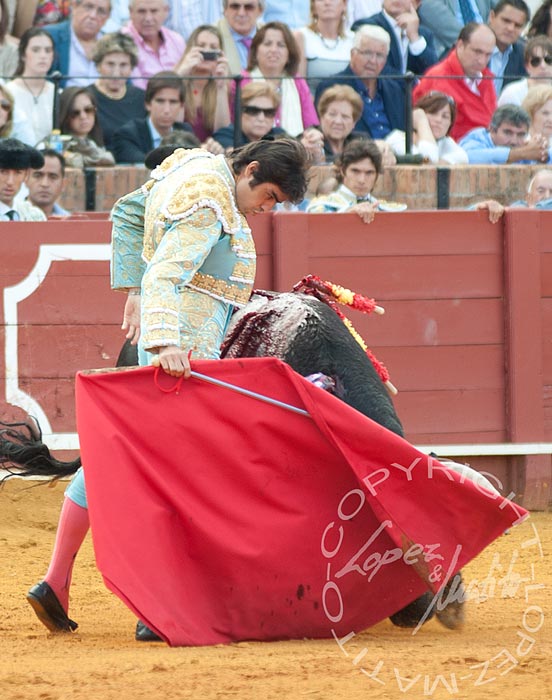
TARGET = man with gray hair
(539,196)
(383,98)
(238,26)
(159,48)
(505,141)
(75,39)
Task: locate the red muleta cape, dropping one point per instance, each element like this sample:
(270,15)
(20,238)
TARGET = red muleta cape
(217,517)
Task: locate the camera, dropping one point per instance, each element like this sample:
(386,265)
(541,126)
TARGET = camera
(210,55)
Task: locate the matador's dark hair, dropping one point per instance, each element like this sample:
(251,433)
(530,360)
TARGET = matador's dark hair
(281,161)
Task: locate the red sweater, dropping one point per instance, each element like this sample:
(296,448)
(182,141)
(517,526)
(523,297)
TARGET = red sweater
(471,110)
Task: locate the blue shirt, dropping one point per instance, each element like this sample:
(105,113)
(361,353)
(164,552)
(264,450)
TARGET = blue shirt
(374,112)
(497,64)
(481,149)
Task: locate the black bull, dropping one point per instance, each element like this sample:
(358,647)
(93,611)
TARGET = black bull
(303,332)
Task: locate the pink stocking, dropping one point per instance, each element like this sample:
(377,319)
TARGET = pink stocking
(72,528)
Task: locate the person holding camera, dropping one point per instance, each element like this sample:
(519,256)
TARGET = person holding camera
(207,79)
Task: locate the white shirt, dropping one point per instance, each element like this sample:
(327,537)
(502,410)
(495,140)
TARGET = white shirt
(82,70)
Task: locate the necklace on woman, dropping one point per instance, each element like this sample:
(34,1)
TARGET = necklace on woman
(35,96)
(330,44)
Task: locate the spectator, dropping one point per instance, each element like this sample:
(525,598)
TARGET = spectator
(159,48)
(274,57)
(383,99)
(505,141)
(358,169)
(118,100)
(46,184)
(38,13)
(538,64)
(259,105)
(32,93)
(539,196)
(325,43)
(165,104)
(184,17)
(16,158)
(541,23)
(475,95)
(433,117)
(538,105)
(77,118)
(412,47)
(507,20)
(238,26)
(8,46)
(207,101)
(75,40)
(339,108)
(446,18)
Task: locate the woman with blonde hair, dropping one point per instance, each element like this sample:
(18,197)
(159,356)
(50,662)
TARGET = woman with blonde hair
(538,105)
(325,44)
(206,71)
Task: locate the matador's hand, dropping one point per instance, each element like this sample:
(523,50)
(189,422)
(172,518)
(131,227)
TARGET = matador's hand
(174,361)
(131,318)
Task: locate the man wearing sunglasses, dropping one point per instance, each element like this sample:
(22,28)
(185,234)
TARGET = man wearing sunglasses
(238,26)
(507,21)
(505,141)
(75,40)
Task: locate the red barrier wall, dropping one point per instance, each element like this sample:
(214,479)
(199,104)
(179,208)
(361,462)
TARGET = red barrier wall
(466,334)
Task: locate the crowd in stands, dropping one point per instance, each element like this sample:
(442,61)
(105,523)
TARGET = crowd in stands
(102,82)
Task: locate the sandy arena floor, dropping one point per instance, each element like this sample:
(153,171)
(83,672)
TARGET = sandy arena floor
(504,650)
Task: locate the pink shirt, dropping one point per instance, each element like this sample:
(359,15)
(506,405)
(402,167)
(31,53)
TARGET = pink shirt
(150,61)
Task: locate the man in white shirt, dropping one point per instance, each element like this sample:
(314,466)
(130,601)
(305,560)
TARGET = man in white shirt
(16,158)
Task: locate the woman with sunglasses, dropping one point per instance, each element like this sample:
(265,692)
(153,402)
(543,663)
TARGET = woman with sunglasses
(274,56)
(538,64)
(259,105)
(432,119)
(32,92)
(77,116)
(206,70)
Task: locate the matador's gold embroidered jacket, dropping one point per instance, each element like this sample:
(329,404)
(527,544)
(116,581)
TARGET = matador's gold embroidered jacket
(182,233)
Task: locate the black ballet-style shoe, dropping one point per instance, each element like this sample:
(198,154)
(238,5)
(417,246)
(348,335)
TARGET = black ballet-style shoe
(48,609)
(144,634)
